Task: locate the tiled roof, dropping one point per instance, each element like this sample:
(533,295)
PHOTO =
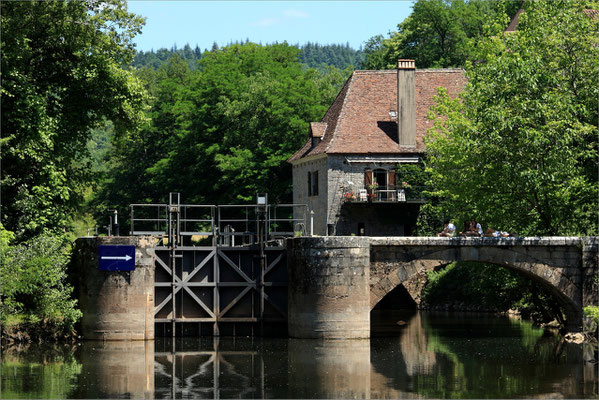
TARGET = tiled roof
(317,129)
(359,120)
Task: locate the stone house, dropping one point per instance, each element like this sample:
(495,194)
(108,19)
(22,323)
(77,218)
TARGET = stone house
(346,170)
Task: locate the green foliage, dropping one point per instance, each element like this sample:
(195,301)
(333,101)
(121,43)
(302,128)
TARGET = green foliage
(592,312)
(491,287)
(482,284)
(430,219)
(34,282)
(223,132)
(440,33)
(61,76)
(519,149)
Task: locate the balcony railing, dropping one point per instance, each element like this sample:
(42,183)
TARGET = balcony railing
(385,194)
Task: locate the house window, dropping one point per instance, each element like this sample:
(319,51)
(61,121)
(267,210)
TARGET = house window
(380,177)
(313,183)
(384,178)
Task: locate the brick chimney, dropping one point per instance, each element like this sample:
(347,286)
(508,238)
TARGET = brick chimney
(406,103)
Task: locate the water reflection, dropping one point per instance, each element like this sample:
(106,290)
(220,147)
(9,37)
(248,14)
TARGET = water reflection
(116,369)
(478,356)
(329,369)
(46,372)
(416,355)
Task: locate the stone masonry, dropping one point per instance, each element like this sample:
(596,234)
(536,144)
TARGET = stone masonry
(326,284)
(557,263)
(328,292)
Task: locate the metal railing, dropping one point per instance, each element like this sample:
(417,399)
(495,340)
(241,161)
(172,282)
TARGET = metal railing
(282,223)
(223,225)
(384,194)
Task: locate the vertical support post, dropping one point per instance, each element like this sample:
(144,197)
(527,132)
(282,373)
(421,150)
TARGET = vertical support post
(173,241)
(311,222)
(115,223)
(262,219)
(132,228)
(216,293)
(212,225)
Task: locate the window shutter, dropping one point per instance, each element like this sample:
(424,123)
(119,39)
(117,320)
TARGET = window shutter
(309,183)
(391,179)
(315,182)
(367,177)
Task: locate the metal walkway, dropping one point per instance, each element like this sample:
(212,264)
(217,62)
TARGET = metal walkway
(220,270)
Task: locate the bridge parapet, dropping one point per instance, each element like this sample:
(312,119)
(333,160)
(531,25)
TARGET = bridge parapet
(480,241)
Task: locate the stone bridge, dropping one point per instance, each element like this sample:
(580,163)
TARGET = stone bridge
(334,282)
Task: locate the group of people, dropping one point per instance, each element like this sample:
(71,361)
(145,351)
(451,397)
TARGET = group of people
(471,229)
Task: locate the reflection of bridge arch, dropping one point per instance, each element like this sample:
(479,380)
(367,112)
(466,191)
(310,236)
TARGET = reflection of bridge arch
(554,263)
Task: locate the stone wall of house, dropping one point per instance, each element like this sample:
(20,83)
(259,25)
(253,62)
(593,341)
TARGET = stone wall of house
(348,176)
(316,203)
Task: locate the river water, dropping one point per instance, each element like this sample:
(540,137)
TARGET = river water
(411,354)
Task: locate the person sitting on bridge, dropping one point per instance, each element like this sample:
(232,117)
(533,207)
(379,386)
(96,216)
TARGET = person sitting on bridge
(479,228)
(493,233)
(470,229)
(448,230)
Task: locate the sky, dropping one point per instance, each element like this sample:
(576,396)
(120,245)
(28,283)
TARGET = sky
(204,22)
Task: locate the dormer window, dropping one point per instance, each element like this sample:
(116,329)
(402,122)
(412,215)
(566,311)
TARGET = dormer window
(316,133)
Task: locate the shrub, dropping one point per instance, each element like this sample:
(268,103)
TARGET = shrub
(34,282)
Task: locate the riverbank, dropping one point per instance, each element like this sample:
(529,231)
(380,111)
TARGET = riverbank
(38,332)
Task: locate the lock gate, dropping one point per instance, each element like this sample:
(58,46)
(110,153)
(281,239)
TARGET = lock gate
(219,269)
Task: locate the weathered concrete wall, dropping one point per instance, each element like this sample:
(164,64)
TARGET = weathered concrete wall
(329,292)
(300,192)
(116,305)
(557,263)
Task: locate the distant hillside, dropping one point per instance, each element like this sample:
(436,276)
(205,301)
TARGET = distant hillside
(315,55)
(312,55)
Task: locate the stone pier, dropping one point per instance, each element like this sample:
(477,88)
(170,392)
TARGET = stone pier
(116,305)
(329,287)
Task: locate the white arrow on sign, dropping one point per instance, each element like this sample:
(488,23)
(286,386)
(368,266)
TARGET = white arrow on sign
(126,258)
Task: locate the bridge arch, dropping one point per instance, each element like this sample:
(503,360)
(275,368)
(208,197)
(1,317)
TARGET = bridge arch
(555,267)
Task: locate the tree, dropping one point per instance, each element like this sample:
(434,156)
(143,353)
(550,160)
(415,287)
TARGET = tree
(440,33)
(62,75)
(223,132)
(519,149)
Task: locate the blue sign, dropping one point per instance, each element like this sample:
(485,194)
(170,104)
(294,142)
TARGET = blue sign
(116,258)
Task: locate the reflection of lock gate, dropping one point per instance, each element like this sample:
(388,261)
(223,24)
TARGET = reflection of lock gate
(219,269)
